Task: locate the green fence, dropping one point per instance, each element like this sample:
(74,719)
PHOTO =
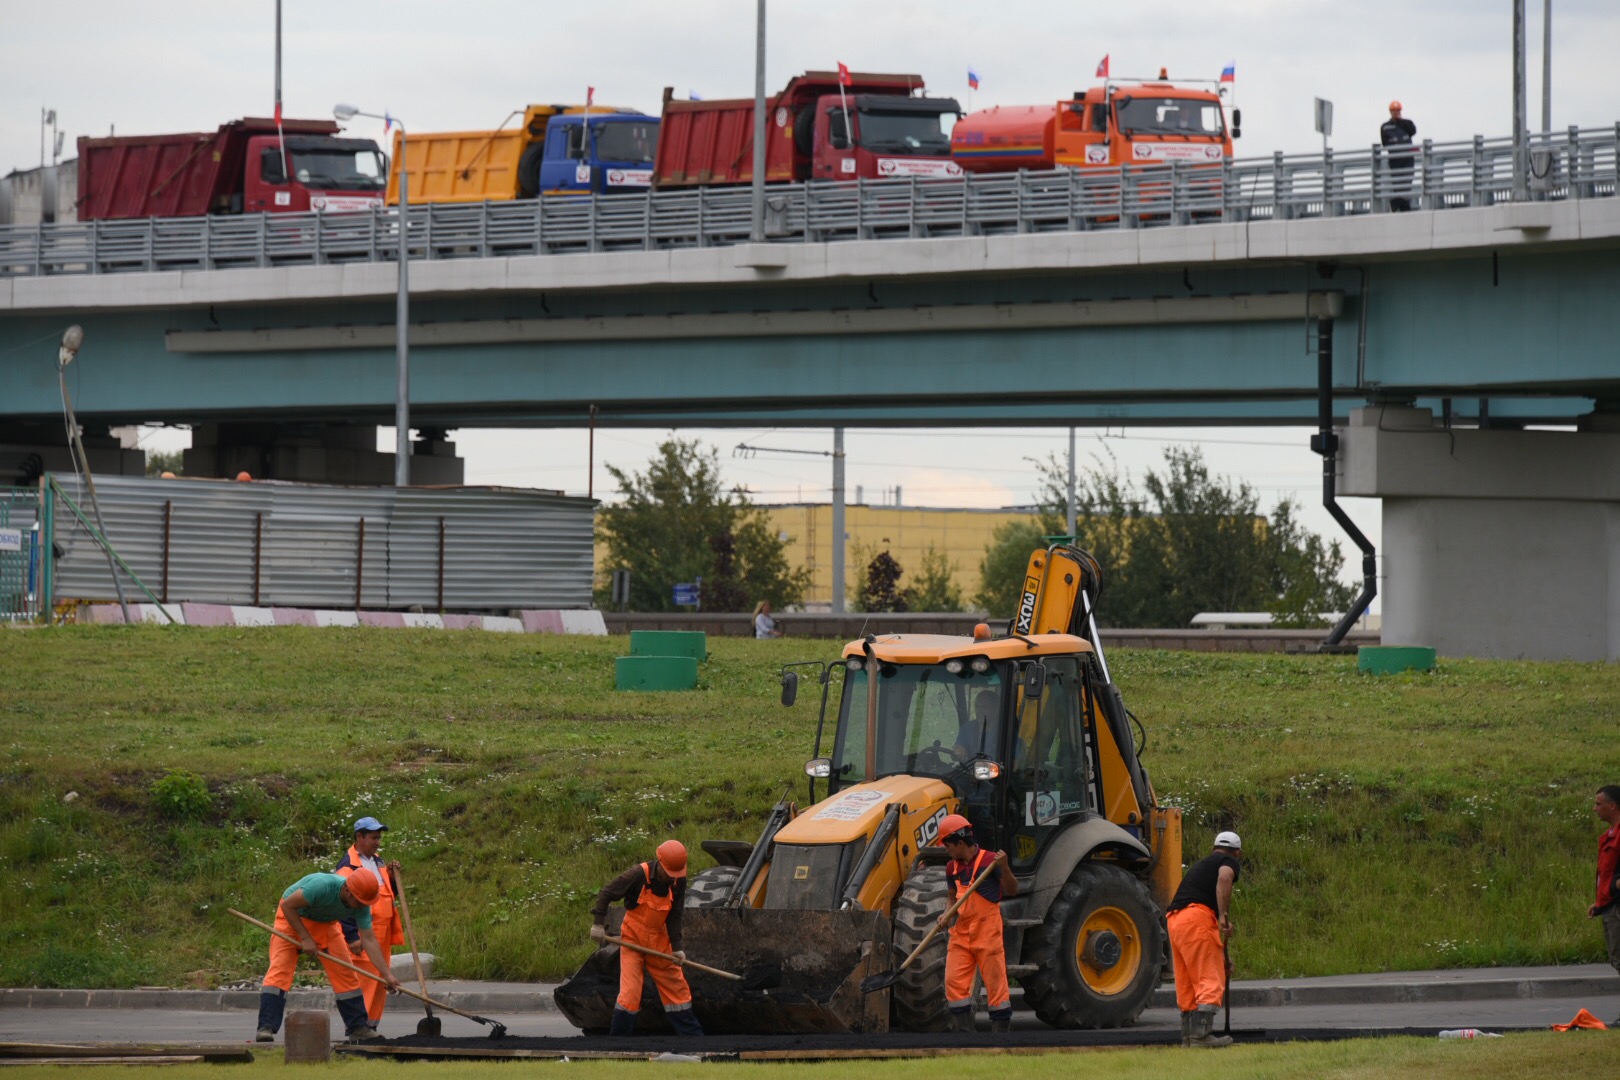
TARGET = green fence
(25,556)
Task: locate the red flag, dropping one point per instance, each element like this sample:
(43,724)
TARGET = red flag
(1102,68)
(590,95)
(278,112)
(843,75)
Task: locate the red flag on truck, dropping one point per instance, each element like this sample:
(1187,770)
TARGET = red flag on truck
(590,96)
(1102,68)
(843,75)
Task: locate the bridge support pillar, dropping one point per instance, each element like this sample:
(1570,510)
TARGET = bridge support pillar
(316,453)
(1497,543)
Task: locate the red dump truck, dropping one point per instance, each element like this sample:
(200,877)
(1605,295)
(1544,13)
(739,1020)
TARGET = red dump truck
(877,128)
(1137,122)
(246,167)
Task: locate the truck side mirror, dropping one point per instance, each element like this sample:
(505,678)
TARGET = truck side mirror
(790,687)
(1237,123)
(1034,681)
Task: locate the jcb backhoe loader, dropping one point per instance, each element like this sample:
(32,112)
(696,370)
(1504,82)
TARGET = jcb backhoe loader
(1028,737)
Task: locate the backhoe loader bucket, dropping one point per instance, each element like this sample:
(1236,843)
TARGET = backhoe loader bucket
(802,973)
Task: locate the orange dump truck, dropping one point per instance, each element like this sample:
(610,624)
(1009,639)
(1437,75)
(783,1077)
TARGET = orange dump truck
(1117,123)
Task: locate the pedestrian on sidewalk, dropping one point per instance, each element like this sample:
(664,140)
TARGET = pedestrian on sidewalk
(976,937)
(1200,924)
(311,910)
(654,894)
(1606,804)
(385,922)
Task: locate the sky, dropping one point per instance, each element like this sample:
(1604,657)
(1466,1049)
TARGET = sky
(179,65)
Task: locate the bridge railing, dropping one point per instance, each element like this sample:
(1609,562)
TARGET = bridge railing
(1574,164)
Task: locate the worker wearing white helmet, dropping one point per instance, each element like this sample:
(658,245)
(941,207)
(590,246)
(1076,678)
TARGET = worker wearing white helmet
(1200,922)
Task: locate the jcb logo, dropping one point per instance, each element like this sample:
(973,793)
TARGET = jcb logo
(1026,605)
(1026,847)
(928,832)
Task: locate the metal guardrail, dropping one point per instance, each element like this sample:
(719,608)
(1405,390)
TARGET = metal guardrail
(1577,164)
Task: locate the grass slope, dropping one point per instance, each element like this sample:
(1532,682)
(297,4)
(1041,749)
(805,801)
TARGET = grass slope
(1412,821)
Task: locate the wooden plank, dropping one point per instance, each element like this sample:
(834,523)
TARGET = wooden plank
(127,1059)
(208,1051)
(497,1052)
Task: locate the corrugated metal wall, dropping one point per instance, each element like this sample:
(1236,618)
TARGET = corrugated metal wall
(304,545)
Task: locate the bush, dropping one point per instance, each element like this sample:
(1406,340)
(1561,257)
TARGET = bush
(182,796)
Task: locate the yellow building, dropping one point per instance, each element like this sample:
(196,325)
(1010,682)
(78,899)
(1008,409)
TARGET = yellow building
(907,532)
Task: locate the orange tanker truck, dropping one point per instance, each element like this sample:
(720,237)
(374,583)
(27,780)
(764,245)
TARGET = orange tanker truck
(1121,122)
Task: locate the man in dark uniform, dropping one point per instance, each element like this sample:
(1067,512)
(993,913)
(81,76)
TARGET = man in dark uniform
(1200,921)
(1397,132)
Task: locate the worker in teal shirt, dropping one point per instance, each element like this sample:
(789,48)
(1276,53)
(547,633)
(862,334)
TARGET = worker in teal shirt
(310,911)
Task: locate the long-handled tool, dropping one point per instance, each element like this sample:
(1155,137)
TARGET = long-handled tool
(873,983)
(429,1026)
(672,958)
(497,1030)
(1226,993)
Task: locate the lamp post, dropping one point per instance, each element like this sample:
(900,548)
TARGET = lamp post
(402,344)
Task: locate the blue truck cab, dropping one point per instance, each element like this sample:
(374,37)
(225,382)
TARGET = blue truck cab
(598,153)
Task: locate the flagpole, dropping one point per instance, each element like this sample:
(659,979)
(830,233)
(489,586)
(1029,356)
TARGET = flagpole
(843,103)
(281,136)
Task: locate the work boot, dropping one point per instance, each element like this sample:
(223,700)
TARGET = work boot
(1000,1023)
(962,1020)
(684,1021)
(272,1004)
(1186,1028)
(623,1022)
(351,1008)
(364,1033)
(1203,1029)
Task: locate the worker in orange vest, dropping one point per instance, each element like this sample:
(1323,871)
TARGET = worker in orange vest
(385,921)
(976,937)
(654,893)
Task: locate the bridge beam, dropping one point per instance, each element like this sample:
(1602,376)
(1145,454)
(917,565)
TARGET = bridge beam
(1496,543)
(315,453)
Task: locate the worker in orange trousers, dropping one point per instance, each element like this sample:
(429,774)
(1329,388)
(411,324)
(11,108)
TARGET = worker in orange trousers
(976,937)
(385,920)
(654,894)
(1200,922)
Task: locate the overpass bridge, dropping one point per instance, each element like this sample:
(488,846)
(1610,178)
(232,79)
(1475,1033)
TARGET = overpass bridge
(1134,297)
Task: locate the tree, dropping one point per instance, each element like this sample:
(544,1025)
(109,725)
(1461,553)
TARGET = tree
(935,587)
(676,523)
(1001,573)
(159,462)
(1191,542)
(881,591)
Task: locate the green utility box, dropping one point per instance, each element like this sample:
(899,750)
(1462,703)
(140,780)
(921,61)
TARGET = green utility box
(1393,659)
(655,672)
(693,643)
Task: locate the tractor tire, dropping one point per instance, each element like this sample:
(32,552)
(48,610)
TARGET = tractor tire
(917,1000)
(528,170)
(709,888)
(1100,952)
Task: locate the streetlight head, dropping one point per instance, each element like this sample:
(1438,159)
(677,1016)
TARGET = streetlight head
(345,112)
(73,337)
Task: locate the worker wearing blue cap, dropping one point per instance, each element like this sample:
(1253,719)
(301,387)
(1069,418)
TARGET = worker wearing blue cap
(384,920)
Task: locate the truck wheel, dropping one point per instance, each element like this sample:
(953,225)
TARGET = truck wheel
(709,888)
(528,171)
(804,131)
(1100,951)
(917,1001)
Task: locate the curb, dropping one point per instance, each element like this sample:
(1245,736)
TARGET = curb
(538,1000)
(1386,993)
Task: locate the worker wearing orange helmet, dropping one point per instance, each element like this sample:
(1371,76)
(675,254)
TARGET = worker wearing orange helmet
(976,937)
(654,893)
(1397,133)
(311,910)
(385,921)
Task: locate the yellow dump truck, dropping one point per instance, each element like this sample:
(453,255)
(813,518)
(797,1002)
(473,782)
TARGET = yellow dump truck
(556,150)
(1026,735)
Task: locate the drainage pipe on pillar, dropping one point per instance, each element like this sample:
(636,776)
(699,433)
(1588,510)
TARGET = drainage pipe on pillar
(1326,443)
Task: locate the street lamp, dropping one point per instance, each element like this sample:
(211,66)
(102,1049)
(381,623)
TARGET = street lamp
(402,344)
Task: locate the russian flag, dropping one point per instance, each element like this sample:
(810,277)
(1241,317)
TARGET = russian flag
(1229,72)
(973,79)
(843,75)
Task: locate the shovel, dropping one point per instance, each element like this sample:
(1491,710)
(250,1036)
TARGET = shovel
(623,944)
(429,1026)
(874,983)
(497,1030)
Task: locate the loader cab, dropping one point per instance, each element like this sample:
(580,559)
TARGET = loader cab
(1020,757)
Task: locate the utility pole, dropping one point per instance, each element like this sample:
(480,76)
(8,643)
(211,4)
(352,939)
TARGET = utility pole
(1546,65)
(1521,189)
(838,522)
(1071,481)
(757,231)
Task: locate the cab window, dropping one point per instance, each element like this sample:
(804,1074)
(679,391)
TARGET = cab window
(1051,774)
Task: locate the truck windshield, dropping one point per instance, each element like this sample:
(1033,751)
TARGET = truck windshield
(1169,116)
(628,143)
(930,722)
(340,170)
(907,133)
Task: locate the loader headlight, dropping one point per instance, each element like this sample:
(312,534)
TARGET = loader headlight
(818,768)
(954,666)
(986,770)
(981,664)
(854,663)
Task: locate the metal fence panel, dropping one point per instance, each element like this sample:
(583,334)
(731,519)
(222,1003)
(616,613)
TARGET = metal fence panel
(306,545)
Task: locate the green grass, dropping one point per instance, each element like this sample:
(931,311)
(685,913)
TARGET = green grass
(1513,1057)
(1411,821)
